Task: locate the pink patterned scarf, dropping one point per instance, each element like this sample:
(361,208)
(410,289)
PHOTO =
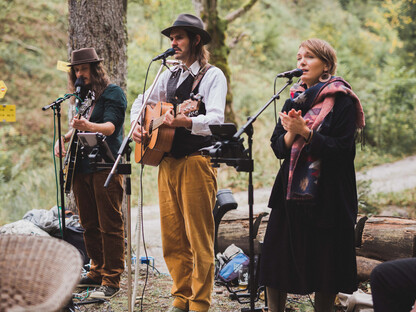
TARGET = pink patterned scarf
(304,170)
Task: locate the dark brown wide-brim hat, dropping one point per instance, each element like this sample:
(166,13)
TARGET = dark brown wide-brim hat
(191,23)
(84,56)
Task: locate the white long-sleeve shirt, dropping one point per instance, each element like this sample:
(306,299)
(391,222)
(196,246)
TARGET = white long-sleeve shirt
(213,88)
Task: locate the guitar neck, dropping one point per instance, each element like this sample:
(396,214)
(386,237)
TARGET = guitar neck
(157,122)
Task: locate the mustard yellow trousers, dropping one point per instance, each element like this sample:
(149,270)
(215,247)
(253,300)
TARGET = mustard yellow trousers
(187,192)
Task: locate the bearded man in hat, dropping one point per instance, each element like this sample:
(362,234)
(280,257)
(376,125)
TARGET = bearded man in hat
(99,207)
(187,181)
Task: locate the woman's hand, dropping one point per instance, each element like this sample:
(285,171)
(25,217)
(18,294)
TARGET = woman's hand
(414,307)
(294,123)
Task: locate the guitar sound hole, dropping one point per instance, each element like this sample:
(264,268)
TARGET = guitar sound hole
(150,128)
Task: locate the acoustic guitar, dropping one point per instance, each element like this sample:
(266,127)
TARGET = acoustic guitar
(159,137)
(71,155)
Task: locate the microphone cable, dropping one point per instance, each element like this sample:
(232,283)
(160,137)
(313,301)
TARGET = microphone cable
(56,174)
(140,224)
(275,100)
(57,183)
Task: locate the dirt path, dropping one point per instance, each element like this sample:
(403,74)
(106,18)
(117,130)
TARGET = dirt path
(392,177)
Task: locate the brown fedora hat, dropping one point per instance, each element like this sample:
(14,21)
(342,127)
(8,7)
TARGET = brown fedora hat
(191,23)
(83,56)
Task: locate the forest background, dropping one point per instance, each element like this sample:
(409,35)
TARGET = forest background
(375,43)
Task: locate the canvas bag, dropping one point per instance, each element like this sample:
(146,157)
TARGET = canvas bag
(231,261)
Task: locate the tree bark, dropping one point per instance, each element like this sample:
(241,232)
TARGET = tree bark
(100,24)
(217,28)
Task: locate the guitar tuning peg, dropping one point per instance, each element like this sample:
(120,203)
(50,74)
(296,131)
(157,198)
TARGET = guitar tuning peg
(197,97)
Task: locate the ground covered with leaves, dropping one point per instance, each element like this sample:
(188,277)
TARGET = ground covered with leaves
(157,298)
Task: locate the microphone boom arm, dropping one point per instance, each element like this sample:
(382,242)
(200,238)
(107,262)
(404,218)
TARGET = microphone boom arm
(244,162)
(252,119)
(127,139)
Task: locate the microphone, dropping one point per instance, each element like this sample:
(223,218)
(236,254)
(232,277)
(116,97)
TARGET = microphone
(79,83)
(168,52)
(297,72)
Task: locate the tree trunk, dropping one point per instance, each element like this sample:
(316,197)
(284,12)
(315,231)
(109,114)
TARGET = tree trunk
(219,51)
(388,238)
(217,28)
(100,24)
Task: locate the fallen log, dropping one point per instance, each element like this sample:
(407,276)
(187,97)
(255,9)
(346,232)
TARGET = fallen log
(388,238)
(364,268)
(378,239)
(234,229)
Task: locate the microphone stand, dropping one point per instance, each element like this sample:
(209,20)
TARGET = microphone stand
(120,152)
(243,164)
(248,129)
(57,105)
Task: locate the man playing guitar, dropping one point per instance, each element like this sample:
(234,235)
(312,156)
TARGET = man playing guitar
(99,207)
(187,182)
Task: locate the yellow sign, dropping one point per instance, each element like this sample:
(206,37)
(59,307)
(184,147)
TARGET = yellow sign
(63,66)
(7,113)
(3,89)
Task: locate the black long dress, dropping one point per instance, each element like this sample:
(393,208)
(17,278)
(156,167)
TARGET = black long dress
(309,247)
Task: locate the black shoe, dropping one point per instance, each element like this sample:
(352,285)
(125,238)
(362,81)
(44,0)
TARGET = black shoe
(88,282)
(104,292)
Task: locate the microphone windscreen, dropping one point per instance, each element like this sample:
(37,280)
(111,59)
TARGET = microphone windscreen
(170,51)
(297,72)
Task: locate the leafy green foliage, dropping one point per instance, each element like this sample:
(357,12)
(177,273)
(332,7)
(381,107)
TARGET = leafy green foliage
(33,39)
(375,47)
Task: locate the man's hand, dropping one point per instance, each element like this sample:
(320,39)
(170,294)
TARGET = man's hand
(139,134)
(81,124)
(180,120)
(56,149)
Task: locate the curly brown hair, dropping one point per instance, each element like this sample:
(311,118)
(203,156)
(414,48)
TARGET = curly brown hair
(99,78)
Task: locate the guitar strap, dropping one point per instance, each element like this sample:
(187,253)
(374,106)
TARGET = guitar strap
(200,75)
(90,109)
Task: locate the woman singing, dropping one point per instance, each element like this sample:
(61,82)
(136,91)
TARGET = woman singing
(309,242)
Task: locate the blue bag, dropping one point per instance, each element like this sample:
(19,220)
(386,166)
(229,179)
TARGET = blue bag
(230,270)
